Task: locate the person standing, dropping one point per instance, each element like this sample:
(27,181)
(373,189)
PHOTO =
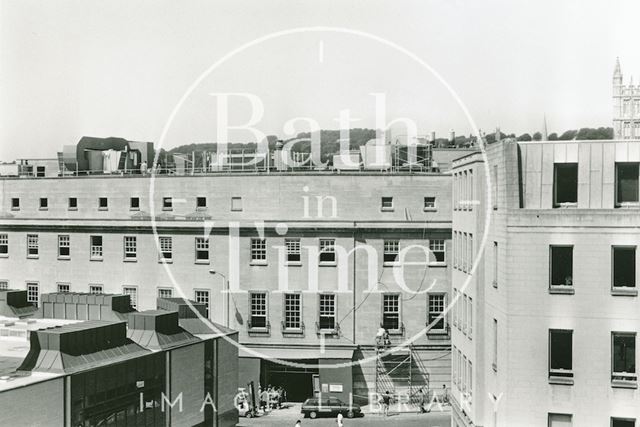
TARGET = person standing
(339,419)
(386,401)
(298,424)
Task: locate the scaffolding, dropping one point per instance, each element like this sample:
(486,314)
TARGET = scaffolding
(399,369)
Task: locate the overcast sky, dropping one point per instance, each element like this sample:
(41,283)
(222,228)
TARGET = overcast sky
(118,68)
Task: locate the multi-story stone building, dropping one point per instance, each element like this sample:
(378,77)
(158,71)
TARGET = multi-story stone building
(315,263)
(545,327)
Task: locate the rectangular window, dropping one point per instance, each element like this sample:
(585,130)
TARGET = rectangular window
(627,189)
(494,363)
(130,248)
(624,266)
(560,354)
(470,317)
(132,291)
(456,302)
(32,246)
(391,312)
(437,249)
(44,203)
(167,203)
(4,285)
(33,293)
(15,204)
(292,311)
(134,203)
(4,245)
(386,203)
(202,297)
(103,203)
(258,310)
(429,203)
(236,204)
(64,246)
(494,187)
(201,203)
(436,303)
(565,184)
(464,251)
(623,355)
(560,420)
(293,250)
(95,250)
(327,312)
(96,289)
(391,251)
(470,252)
(464,313)
(64,287)
(165,293)
(73,203)
(202,250)
(495,264)
(258,251)
(455,249)
(40,171)
(623,422)
(166,248)
(561,259)
(327,251)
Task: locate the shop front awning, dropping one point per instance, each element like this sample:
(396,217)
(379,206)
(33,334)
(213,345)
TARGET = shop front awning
(296,353)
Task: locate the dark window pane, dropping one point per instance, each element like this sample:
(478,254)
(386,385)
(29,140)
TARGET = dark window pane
(562,265)
(561,349)
(566,183)
(627,182)
(624,353)
(617,422)
(624,267)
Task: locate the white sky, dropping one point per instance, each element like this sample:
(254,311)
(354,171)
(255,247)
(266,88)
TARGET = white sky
(118,68)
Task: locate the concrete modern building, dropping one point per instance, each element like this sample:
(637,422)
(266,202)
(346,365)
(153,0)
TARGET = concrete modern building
(315,262)
(101,370)
(545,327)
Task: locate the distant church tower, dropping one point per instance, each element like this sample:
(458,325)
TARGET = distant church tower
(626,107)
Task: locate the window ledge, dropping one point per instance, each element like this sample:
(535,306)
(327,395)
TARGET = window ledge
(387,209)
(134,209)
(562,290)
(96,259)
(390,264)
(628,205)
(43,209)
(293,263)
(202,261)
(293,331)
(553,379)
(201,209)
(64,258)
(328,264)
(623,291)
(236,210)
(624,384)
(258,263)
(130,260)
(429,209)
(438,264)
(15,209)
(33,256)
(103,209)
(165,261)
(566,205)
(4,255)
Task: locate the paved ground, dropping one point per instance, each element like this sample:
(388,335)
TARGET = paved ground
(287,418)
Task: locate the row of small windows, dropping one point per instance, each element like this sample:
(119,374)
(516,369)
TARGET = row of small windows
(463,313)
(623,263)
(391,316)
(462,374)
(566,420)
(257,246)
(463,190)
(565,184)
(623,358)
(463,252)
(429,203)
(134,203)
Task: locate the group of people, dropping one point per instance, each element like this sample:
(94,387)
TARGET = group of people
(271,397)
